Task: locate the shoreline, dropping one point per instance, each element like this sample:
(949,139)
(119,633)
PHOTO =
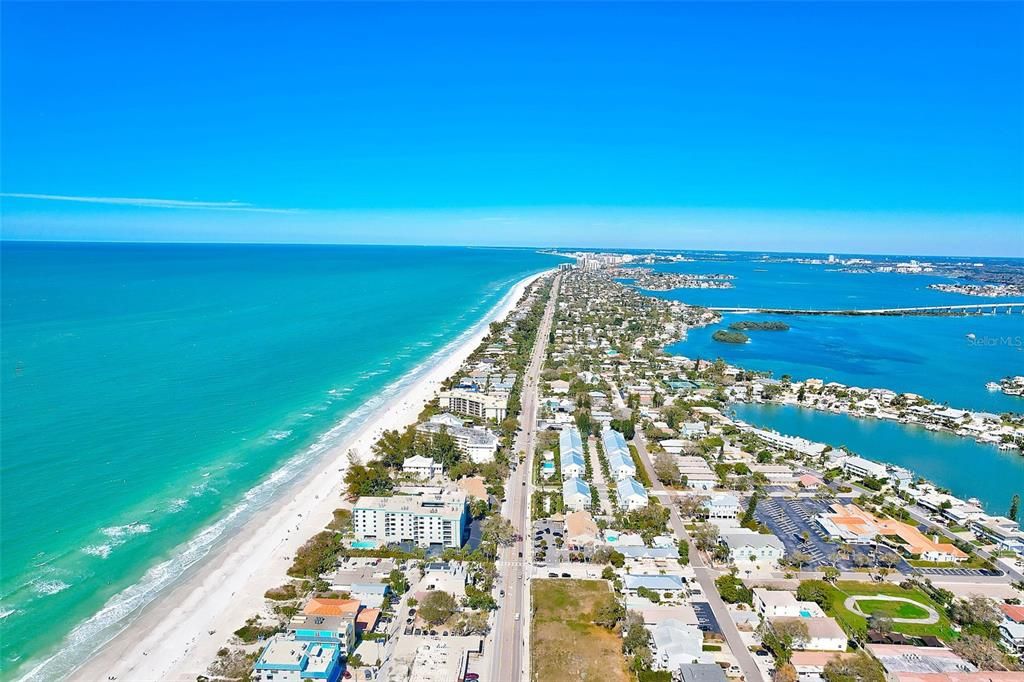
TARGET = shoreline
(177,634)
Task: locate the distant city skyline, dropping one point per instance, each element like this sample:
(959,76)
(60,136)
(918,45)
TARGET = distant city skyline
(850,127)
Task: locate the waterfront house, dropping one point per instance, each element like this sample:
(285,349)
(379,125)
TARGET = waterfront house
(333,629)
(286,659)
(422,467)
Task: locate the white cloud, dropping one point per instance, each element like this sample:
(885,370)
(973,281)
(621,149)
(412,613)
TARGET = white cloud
(151,203)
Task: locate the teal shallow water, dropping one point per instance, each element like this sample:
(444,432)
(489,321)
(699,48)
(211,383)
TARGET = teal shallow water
(149,391)
(966,467)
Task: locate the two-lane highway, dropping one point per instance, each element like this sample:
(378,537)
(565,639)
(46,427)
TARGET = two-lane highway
(509,659)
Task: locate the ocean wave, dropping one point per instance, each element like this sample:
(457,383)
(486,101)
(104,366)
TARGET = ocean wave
(7,612)
(48,587)
(177,505)
(92,633)
(102,551)
(126,531)
(280,435)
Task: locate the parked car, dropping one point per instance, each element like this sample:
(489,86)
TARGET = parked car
(552,575)
(566,575)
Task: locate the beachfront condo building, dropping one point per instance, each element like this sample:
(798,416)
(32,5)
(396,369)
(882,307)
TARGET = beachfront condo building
(477,443)
(423,520)
(474,403)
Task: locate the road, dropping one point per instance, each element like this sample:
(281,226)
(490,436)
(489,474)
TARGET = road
(705,575)
(510,656)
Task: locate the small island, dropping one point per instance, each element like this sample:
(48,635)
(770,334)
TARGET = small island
(765,326)
(723,336)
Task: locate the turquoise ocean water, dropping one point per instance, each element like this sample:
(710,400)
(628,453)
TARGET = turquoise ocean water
(152,393)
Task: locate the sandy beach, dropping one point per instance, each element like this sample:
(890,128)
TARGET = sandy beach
(177,635)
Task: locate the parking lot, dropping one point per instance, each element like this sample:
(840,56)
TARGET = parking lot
(706,620)
(546,534)
(792,521)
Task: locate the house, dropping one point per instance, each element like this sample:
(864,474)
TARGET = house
(771,604)
(675,643)
(823,634)
(693,430)
(422,467)
(811,664)
(1011,629)
(339,630)
(580,530)
(573,465)
(620,460)
(745,545)
(723,506)
(570,450)
(673,446)
(576,494)
(660,583)
(559,386)
(631,494)
(700,672)
(286,659)
(370,594)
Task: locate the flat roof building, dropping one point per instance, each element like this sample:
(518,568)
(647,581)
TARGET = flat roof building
(424,520)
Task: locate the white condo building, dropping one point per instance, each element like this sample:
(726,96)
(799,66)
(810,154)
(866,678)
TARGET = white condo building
(424,520)
(474,403)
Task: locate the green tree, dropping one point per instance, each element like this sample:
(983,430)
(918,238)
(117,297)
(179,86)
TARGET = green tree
(398,583)
(368,481)
(782,636)
(733,591)
(1014,508)
(609,612)
(437,607)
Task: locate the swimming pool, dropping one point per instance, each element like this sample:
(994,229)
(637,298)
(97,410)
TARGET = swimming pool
(364,544)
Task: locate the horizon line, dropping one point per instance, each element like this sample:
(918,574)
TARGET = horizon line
(607,249)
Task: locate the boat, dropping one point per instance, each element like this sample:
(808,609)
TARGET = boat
(992,386)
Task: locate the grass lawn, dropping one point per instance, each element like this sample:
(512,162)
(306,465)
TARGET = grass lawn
(972,562)
(565,644)
(891,609)
(853,622)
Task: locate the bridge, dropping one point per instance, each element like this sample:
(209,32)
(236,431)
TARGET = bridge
(958,309)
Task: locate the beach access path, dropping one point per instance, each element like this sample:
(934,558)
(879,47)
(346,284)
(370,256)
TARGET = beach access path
(177,636)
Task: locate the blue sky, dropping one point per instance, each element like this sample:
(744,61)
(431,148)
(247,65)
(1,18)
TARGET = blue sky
(853,127)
